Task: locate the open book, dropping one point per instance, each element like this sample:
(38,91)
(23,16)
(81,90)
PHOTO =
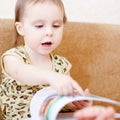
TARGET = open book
(46,104)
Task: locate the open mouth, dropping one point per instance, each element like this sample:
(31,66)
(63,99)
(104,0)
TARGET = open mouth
(47,43)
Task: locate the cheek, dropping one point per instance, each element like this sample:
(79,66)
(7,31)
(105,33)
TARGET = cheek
(58,37)
(60,34)
(31,36)
(30,40)
(58,40)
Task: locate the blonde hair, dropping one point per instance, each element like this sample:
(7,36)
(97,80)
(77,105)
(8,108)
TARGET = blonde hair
(21,5)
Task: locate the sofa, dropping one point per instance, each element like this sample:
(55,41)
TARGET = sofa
(92,48)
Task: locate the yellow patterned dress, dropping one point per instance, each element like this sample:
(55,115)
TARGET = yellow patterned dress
(15,96)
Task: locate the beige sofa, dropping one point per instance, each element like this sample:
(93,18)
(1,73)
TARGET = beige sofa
(93,49)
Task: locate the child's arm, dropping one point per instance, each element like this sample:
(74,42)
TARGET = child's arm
(31,75)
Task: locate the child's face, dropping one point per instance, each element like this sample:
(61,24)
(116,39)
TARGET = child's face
(41,27)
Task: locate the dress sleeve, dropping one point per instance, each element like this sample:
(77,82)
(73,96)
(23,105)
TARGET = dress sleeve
(66,65)
(18,52)
(61,64)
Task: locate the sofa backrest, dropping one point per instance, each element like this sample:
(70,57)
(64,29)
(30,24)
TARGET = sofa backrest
(93,50)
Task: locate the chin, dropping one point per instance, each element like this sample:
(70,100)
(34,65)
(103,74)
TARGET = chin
(44,53)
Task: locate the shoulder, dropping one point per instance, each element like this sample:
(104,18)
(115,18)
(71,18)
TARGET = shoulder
(63,62)
(18,51)
(61,59)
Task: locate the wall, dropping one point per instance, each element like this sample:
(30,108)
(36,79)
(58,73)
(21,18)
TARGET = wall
(103,11)
(100,11)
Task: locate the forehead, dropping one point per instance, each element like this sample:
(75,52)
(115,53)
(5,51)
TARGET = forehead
(43,10)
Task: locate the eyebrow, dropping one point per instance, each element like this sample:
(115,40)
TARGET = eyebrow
(54,21)
(60,21)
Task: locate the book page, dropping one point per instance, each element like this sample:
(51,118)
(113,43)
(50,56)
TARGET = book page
(46,104)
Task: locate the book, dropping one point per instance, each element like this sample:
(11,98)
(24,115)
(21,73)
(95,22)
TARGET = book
(46,104)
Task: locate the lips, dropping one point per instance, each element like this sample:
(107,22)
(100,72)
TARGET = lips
(47,43)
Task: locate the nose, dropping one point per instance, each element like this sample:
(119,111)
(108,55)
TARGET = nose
(49,31)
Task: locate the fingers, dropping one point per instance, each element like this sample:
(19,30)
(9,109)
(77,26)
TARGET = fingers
(66,85)
(67,90)
(79,104)
(72,107)
(77,87)
(86,113)
(107,115)
(82,103)
(87,91)
(95,113)
(64,88)
(64,91)
(83,114)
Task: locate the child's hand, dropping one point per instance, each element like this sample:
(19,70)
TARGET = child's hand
(80,104)
(64,84)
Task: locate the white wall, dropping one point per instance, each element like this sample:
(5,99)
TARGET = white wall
(7,8)
(103,11)
(99,11)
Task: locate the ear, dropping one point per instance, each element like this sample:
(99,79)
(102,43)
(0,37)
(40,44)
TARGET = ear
(19,28)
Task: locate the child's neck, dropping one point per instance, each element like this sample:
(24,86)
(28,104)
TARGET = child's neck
(41,61)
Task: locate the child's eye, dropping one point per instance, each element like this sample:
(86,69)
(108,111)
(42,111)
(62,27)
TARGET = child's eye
(39,26)
(56,26)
